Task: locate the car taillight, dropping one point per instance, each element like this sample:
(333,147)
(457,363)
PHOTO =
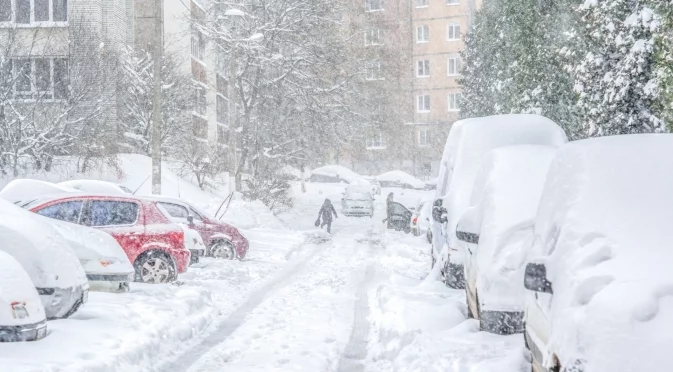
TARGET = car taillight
(415,220)
(19,310)
(178,238)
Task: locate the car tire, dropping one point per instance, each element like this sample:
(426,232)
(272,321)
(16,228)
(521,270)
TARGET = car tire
(407,230)
(155,267)
(223,249)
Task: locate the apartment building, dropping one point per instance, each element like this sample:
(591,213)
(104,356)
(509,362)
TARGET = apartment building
(438,27)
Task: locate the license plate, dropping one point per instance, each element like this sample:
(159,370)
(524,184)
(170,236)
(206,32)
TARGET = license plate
(85,296)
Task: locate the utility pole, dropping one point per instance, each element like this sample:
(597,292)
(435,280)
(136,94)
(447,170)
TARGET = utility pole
(231,93)
(158,45)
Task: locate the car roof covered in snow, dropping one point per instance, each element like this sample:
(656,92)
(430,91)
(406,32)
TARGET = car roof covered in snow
(476,137)
(40,249)
(16,286)
(336,170)
(401,177)
(24,189)
(95,186)
(605,222)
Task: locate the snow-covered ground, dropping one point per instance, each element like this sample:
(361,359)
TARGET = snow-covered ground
(301,301)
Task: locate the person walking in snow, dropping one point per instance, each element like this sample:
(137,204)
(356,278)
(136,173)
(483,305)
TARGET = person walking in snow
(389,202)
(326,214)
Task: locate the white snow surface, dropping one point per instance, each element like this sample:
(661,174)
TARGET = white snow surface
(16,286)
(402,177)
(337,170)
(38,246)
(301,300)
(604,231)
(466,149)
(29,189)
(94,186)
(504,202)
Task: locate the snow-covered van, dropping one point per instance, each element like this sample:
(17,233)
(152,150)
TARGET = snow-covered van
(357,201)
(22,315)
(106,265)
(469,140)
(599,278)
(47,258)
(495,231)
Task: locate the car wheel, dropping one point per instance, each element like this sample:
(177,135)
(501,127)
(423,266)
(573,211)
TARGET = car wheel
(407,230)
(155,267)
(223,249)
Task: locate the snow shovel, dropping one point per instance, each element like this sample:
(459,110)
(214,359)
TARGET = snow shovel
(317,222)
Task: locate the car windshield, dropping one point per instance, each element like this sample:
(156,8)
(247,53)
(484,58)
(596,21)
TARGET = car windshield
(358,196)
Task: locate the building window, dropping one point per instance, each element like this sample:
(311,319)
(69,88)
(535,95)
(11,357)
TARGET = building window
(200,101)
(454,101)
(422,34)
(198,44)
(33,11)
(424,137)
(373,70)
(421,3)
(373,36)
(373,5)
(375,142)
(453,31)
(38,78)
(453,66)
(452,2)
(423,103)
(423,68)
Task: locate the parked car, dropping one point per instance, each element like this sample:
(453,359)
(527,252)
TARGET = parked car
(495,229)
(398,178)
(155,246)
(333,174)
(97,187)
(22,316)
(106,265)
(599,279)
(400,217)
(375,185)
(221,239)
(469,140)
(45,255)
(357,201)
(420,219)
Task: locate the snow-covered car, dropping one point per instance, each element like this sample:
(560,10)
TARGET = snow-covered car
(153,244)
(420,219)
(495,230)
(22,316)
(599,278)
(469,140)
(24,189)
(398,178)
(97,187)
(357,201)
(333,174)
(106,265)
(221,239)
(45,255)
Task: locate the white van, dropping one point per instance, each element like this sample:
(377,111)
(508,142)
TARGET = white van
(468,142)
(22,315)
(599,278)
(47,258)
(496,231)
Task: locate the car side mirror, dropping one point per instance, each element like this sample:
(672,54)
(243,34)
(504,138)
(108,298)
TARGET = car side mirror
(190,219)
(535,278)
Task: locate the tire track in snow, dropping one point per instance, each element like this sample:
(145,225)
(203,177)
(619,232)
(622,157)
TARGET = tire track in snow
(355,352)
(227,327)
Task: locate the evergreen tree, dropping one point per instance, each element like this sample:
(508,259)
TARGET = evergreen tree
(614,78)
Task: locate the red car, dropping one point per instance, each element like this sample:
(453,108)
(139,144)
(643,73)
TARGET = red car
(222,240)
(154,244)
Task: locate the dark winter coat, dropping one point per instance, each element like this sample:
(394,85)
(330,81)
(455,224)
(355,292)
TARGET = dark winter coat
(326,211)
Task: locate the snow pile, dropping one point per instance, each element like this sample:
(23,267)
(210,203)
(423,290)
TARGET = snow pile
(398,177)
(24,190)
(604,228)
(15,285)
(336,172)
